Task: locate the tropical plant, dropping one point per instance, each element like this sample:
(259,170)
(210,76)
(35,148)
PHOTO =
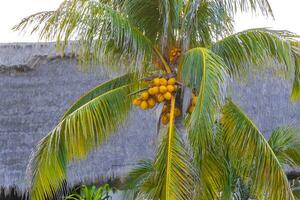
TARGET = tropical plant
(91,193)
(177,56)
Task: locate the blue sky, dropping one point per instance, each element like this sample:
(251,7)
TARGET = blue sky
(286,12)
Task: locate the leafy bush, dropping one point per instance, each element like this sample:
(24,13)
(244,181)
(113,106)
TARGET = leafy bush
(91,193)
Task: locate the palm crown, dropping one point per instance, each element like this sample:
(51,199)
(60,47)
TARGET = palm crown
(178,56)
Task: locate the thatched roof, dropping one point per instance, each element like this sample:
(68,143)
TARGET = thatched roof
(37,86)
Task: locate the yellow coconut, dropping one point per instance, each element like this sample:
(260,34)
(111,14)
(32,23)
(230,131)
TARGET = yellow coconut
(163,89)
(156,81)
(136,102)
(144,105)
(165,119)
(171,81)
(160,98)
(151,102)
(171,88)
(165,108)
(150,91)
(177,112)
(168,96)
(156,90)
(163,81)
(194,100)
(191,109)
(145,95)
(153,90)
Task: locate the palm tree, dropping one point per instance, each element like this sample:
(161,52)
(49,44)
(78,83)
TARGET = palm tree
(151,43)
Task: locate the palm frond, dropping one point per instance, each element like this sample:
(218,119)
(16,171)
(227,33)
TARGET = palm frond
(205,22)
(169,177)
(204,72)
(99,90)
(74,137)
(146,15)
(256,47)
(254,6)
(217,175)
(295,95)
(102,30)
(175,175)
(135,180)
(245,142)
(285,143)
(171,13)
(215,178)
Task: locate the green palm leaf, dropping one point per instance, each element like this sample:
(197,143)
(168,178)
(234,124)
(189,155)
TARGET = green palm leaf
(99,90)
(100,28)
(285,142)
(205,72)
(175,175)
(205,22)
(169,177)
(146,15)
(246,143)
(74,137)
(215,177)
(255,47)
(138,179)
(295,95)
(255,6)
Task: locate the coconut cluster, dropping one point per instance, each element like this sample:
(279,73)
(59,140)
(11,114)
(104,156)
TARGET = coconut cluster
(193,103)
(174,54)
(161,89)
(165,116)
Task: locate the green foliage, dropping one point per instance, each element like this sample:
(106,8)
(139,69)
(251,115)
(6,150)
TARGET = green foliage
(91,193)
(269,180)
(103,88)
(76,135)
(149,179)
(204,71)
(100,28)
(285,142)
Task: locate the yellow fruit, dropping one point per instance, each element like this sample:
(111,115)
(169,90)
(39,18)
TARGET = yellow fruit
(171,81)
(156,81)
(163,89)
(144,105)
(177,112)
(165,108)
(136,102)
(156,90)
(167,95)
(144,95)
(171,88)
(151,102)
(153,90)
(150,91)
(191,109)
(165,119)
(194,100)
(160,98)
(163,81)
